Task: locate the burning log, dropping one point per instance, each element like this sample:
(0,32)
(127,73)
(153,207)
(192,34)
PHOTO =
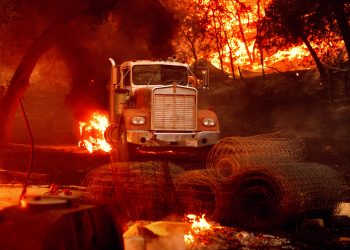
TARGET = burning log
(199,192)
(228,156)
(142,189)
(272,196)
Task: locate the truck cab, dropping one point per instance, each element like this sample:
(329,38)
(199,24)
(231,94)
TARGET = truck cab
(153,110)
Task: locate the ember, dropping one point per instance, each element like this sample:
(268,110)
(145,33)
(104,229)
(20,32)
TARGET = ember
(23,203)
(204,235)
(198,223)
(91,133)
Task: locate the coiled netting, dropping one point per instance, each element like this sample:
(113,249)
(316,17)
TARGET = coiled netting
(143,190)
(256,182)
(271,196)
(199,192)
(232,153)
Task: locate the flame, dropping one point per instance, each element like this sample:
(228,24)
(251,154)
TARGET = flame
(199,224)
(23,203)
(242,46)
(92,133)
(188,238)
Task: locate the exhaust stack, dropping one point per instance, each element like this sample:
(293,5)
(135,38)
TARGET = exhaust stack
(111,89)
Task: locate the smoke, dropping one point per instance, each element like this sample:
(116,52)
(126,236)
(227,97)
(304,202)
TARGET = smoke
(137,29)
(148,21)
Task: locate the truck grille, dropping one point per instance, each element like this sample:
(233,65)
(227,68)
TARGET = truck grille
(174,111)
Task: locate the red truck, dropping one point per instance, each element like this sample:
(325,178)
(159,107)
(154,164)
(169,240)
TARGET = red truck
(153,110)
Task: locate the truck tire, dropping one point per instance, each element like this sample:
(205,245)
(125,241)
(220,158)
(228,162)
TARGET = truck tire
(122,145)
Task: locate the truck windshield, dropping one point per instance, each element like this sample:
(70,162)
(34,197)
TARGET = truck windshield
(159,74)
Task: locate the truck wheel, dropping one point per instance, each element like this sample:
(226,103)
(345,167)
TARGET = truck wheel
(122,146)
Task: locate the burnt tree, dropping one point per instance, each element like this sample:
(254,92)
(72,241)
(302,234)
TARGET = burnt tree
(287,23)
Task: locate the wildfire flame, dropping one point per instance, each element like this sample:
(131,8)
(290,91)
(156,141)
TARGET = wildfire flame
(92,133)
(198,224)
(23,203)
(242,48)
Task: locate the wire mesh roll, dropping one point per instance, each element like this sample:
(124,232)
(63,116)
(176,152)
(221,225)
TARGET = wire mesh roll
(198,192)
(142,189)
(98,185)
(232,153)
(272,196)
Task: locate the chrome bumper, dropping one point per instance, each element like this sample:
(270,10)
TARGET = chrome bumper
(161,139)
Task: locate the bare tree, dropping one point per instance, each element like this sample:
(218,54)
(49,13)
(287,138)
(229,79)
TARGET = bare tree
(341,15)
(287,22)
(192,37)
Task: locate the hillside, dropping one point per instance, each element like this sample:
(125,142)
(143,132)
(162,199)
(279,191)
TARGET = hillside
(292,100)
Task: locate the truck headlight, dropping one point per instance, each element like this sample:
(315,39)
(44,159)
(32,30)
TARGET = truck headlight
(138,120)
(209,122)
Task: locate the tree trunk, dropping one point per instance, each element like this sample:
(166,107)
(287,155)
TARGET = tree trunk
(258,41)
(319,64)
(194,51)
(338,7)
(20,80)
(231,55)
(218,45)
(243,38)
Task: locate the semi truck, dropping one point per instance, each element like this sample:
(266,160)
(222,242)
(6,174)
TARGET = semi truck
(153,110)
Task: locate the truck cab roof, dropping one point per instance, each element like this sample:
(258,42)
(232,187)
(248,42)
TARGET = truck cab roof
(153,62)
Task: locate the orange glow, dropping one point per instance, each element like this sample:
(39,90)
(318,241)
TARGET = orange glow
(23,203)
(188,238)
(198,224)
(92,133)
(236,25)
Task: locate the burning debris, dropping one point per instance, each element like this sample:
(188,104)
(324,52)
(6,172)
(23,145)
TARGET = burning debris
(222,237)
(92,133)
(196,233)
(199,223)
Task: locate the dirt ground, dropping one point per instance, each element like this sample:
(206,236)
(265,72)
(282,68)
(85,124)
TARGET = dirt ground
(67,166)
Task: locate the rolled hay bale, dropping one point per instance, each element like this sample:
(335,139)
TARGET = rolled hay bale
(198,192)
(230,154)
(143,190)
(267,197)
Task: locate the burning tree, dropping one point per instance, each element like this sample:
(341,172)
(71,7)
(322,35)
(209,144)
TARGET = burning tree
(193,40)
(289,22)
(236,33)
(223,31)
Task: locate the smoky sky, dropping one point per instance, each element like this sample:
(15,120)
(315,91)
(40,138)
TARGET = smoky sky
(137,29)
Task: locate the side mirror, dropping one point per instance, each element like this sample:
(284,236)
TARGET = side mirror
(205,78)
(199,77)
